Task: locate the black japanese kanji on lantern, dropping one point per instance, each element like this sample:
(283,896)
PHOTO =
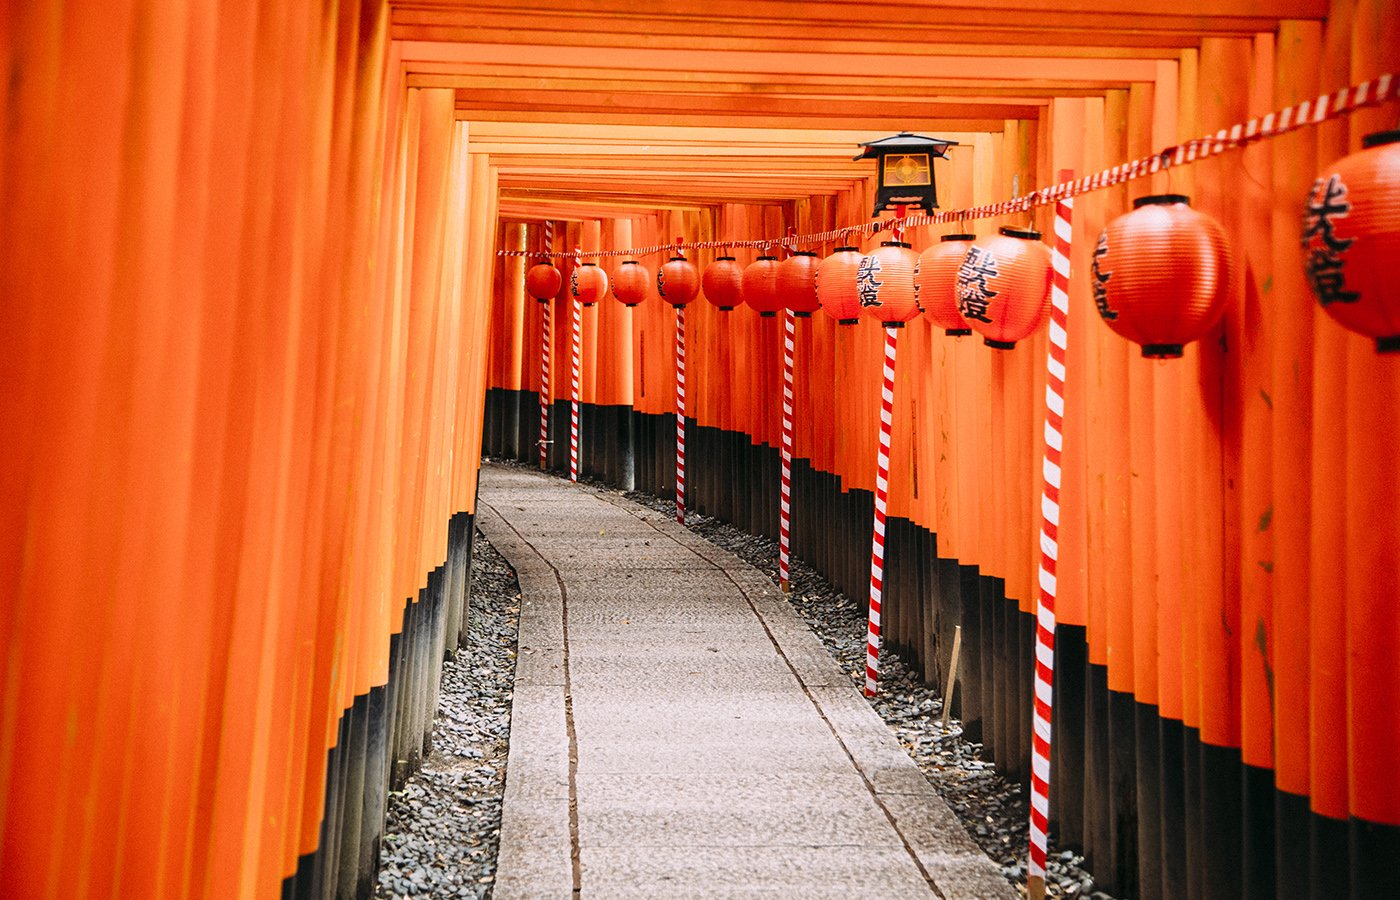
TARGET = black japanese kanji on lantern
(906,170)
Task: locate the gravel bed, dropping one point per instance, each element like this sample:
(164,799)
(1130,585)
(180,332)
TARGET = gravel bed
(443,829)
(993,810)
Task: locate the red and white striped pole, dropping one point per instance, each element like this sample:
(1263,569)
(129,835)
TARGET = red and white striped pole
(546,323)
(1049,551)
(785,488)
(877,544)
(680,414)
(574,395)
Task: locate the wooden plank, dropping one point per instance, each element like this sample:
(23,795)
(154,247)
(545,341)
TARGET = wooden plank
(703,120)
(780,63)
(944,39)
(669,105)
(909,14)
(541,75)
(839,142)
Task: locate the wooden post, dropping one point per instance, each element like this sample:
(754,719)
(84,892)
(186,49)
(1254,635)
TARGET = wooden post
(952,674)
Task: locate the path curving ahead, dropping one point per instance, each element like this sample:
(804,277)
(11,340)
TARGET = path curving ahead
(678,731)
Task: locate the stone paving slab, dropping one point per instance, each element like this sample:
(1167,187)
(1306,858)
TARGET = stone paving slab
(646,820)
(666,757)
(714,632)
(678,731)
(837,872)
(618,611)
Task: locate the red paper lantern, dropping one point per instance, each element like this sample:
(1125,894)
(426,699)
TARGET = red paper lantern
(1351,235)
(588,283)
(723,283)
(836,285)
(678,281)
(631,282)
(543,281)
(761,286)
(885,283)
(1162,275)
(1004,286)
(797,283)
(936,282)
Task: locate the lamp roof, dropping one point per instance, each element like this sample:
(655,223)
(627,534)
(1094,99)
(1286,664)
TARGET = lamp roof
(905,142)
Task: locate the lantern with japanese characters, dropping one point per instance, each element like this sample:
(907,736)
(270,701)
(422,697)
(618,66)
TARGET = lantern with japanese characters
(543,282)
(837,277)
(936,282)
(1004,286)
(588,283)
(1351,240)
(1161,275)
(761,286)
(797,283)
(885,283)
(723,283)
(631,283)
(677,281)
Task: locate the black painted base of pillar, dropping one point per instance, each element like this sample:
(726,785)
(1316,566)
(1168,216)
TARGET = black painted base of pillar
(385,734)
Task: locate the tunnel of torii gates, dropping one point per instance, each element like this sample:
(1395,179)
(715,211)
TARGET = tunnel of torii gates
(255,322)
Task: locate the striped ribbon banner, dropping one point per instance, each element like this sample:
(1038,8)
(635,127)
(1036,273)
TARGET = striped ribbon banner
(578,370)
(1049,552)
(680,414)
(546,325)
(785,488)
(877,543)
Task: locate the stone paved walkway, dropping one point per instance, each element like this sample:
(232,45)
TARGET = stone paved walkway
(678,731)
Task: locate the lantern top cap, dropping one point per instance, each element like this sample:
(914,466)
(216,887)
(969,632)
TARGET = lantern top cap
(905,142)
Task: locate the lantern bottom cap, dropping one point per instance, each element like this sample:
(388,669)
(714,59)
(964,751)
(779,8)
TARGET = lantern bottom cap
(768,314)
(1388,344)
(999,345)
(847,321)
(957,332)
(1162,351)
(801,314)
(726,309)
(892,324)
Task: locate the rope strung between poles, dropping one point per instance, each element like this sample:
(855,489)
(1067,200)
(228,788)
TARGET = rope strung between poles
(1310,112)
(546,326)
(1049,551)
(785,487)
(578,372)
(680,414)
(877,543)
